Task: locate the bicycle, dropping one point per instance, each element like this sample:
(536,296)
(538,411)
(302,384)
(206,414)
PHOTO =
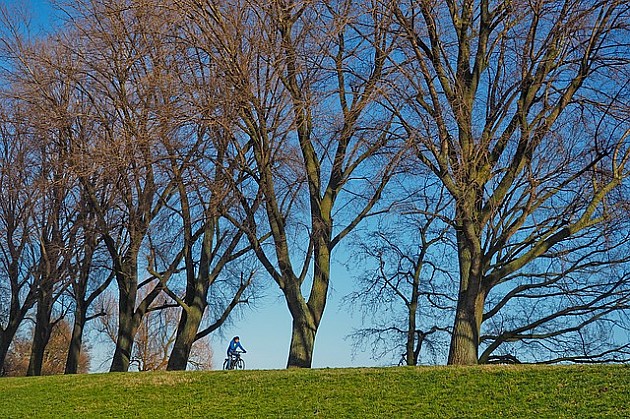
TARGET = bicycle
(234,362)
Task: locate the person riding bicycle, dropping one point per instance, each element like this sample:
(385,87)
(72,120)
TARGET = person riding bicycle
(234,345)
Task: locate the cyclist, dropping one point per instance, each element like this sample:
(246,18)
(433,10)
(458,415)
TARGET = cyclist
(234,345)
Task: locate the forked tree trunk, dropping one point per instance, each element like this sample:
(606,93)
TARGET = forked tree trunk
(128,323)
(307,315)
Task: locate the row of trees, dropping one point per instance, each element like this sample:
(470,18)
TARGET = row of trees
(474,154)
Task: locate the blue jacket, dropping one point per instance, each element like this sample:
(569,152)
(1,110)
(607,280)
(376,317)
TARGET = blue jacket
(233,346)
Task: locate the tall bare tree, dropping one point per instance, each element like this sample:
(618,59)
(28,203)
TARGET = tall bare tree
(309,75)
(405,286)
(124,55)
(42,86)
(520,109)
(17,288)
(18,178)
(90,276)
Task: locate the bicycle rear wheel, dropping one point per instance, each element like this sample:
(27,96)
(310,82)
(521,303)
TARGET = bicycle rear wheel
(226,364)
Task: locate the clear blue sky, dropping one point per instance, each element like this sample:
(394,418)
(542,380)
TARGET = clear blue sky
(265,331)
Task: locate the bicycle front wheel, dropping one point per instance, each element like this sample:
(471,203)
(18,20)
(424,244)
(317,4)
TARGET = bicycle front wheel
(240,365)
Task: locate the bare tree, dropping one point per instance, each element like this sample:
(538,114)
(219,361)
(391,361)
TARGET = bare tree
(405,284)
(156,336)
(45,94)
(17,177)
(201,164)
(309,76)
(124,58)
(54,355)
(520,109)
(17,289)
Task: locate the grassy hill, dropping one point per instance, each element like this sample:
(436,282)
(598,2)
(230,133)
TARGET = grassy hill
(455,392)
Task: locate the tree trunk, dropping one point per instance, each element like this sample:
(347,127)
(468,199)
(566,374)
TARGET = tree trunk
(74,350)
(471,298)
(307,315)
(41,335)
(127,279)
(465,339)
(302,341)
(411,334)
(186,333)
(7,335)
(5,341)
(125,337)
(40,340)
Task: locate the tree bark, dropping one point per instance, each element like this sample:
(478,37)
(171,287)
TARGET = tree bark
(126,331)
(74,350)
(302,341)
(43,329)
(472,294)
(186,333)
(411,330)
(5,341)
(465,339)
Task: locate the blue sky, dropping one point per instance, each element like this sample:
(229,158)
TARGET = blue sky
(266,332)
(41,12)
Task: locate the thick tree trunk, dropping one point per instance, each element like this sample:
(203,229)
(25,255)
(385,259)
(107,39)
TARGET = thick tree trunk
(128,324)
(4,349)
(471,298)
(124,339)
(40,340)
(465,339)
(307,315)
(186,333)
(302,341)
(74,350)
(41,335)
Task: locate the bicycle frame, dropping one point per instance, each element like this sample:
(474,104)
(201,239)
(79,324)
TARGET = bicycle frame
(234,361)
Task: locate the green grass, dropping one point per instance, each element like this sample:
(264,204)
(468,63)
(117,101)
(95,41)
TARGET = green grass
(444,392)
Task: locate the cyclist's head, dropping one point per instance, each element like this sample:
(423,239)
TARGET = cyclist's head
(236,338)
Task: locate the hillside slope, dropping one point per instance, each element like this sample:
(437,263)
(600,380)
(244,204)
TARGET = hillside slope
(455,392)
